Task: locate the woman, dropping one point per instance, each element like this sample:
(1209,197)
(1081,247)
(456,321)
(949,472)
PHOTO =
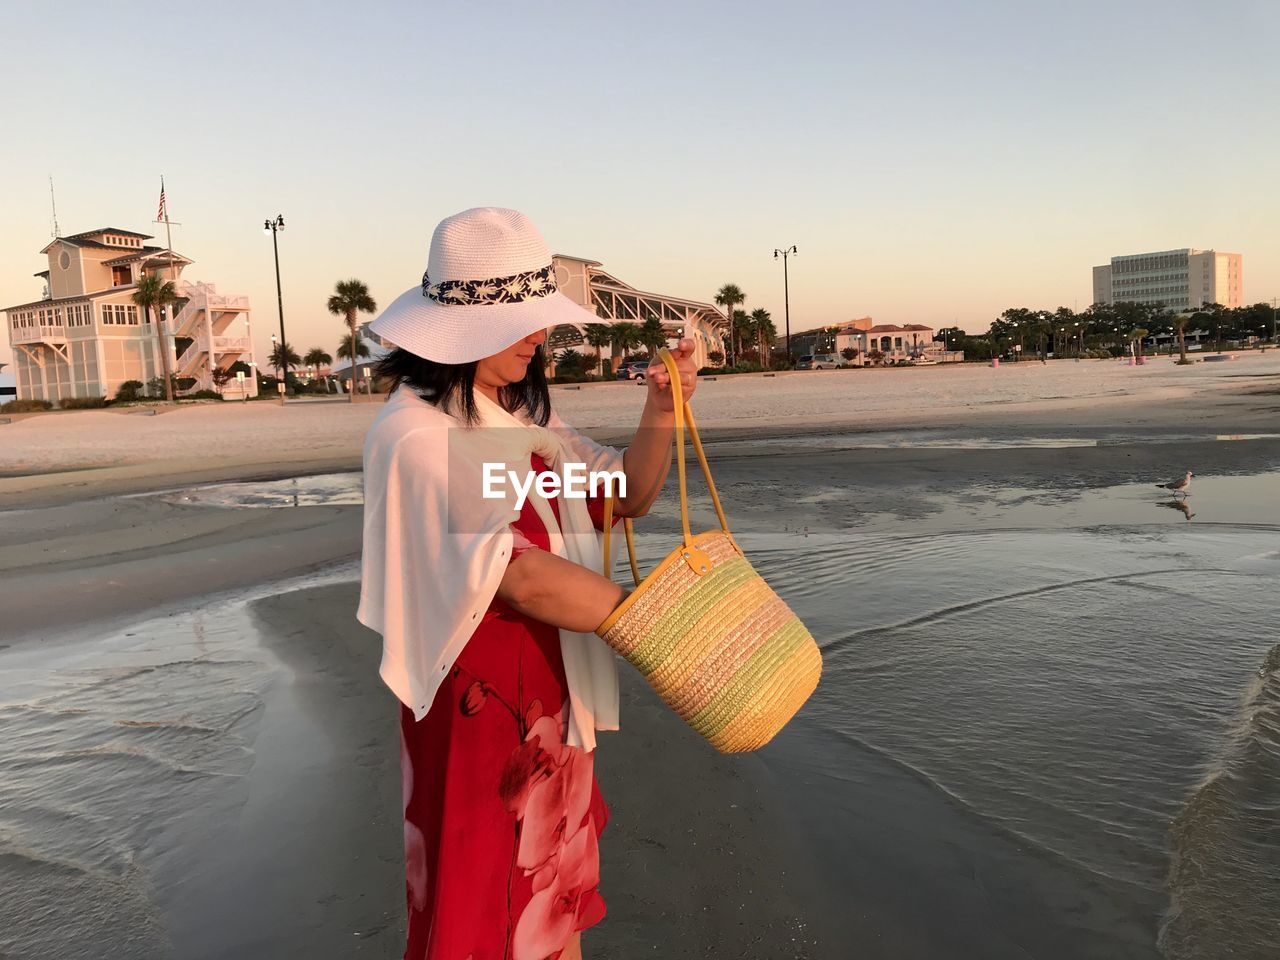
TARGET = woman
(488,611)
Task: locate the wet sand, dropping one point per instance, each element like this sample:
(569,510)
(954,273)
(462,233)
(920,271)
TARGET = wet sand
(54,458)
(705,855)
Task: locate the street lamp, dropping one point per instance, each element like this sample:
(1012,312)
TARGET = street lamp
(784,253)
(273,227)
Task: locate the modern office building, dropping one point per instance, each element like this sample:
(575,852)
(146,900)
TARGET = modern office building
(86,336)
(1176,279)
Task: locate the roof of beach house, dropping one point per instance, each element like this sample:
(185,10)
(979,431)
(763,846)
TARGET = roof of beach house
(895,328)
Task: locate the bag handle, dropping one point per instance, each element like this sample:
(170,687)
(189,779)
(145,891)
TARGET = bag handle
(684,417)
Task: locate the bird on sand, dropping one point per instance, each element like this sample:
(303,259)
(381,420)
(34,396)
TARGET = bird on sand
(1178,486)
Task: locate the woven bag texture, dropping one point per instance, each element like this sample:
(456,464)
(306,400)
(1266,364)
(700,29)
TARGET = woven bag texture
(722,649)
(711,637)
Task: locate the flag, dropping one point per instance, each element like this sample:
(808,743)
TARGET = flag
(161,213)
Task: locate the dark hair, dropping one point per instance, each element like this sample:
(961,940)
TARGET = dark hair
(437,383)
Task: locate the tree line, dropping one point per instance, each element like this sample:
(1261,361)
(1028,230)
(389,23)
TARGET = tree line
(1108,329)
(751,336)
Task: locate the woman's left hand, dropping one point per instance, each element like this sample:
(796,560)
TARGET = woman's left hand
(658,380)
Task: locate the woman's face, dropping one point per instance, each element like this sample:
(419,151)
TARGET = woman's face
(508,366)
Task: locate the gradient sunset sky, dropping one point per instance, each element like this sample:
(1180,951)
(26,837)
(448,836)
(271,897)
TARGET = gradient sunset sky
(934,162)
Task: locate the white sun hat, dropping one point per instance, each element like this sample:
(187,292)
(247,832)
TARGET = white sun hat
(489,282)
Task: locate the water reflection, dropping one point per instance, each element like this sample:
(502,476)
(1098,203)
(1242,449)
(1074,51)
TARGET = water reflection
(1180,505)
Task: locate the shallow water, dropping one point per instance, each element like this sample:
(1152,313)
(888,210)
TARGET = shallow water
(1110,696)
(1091,670)
(949,440)
(116,759)
(1096,672)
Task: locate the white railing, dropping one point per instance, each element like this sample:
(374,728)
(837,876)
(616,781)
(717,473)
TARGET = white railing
(190,312)
(41,332)
(197,355)
(231,345)
(200,344)
(202,298)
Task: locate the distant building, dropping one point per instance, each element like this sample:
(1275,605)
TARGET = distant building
(895,343)
(583,282)
(86,336)
(1175,279)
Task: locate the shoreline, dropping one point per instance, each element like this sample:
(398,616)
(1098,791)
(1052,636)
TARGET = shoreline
(327,766)
(868,859)
(95,454)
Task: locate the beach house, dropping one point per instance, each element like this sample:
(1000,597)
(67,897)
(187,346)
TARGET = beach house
(889,342)
(85,336)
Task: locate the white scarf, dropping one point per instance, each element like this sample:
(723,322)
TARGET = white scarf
(589,664)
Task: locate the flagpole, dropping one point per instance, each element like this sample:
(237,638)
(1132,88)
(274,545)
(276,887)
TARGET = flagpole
(166,337)
(168,236)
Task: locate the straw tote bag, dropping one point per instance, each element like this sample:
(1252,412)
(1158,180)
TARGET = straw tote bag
(713,640)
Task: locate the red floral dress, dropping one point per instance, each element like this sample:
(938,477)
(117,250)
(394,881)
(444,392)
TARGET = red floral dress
(501,817)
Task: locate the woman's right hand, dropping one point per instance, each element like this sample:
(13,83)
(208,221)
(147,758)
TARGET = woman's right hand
(557,591)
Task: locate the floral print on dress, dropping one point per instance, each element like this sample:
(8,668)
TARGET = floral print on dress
(502,817)
(547,784)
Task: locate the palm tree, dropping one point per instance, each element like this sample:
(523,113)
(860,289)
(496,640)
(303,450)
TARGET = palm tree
(316,358)
(652,335)
(624,337)
(765,333)
(344,349)
(282,358)
(742,328)
(349,298)
(154,292)
(1136,336)
(1180,322)
(730,296)
(1042,328)
(599,335)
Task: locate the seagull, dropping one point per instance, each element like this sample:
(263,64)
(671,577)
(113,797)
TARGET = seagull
(1178,486)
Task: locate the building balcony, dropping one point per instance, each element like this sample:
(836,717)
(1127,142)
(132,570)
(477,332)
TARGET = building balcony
(44,333)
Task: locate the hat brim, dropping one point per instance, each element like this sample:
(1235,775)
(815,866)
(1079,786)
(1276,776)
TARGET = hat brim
(462,334)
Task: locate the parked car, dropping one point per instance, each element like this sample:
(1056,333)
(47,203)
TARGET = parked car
(819,361)
(632,370)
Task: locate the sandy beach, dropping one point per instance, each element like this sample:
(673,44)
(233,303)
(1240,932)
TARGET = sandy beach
(198,658)
(45,458)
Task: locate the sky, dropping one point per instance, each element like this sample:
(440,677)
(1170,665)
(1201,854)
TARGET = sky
(933,162)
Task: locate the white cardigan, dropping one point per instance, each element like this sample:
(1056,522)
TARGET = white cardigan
(435,550)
